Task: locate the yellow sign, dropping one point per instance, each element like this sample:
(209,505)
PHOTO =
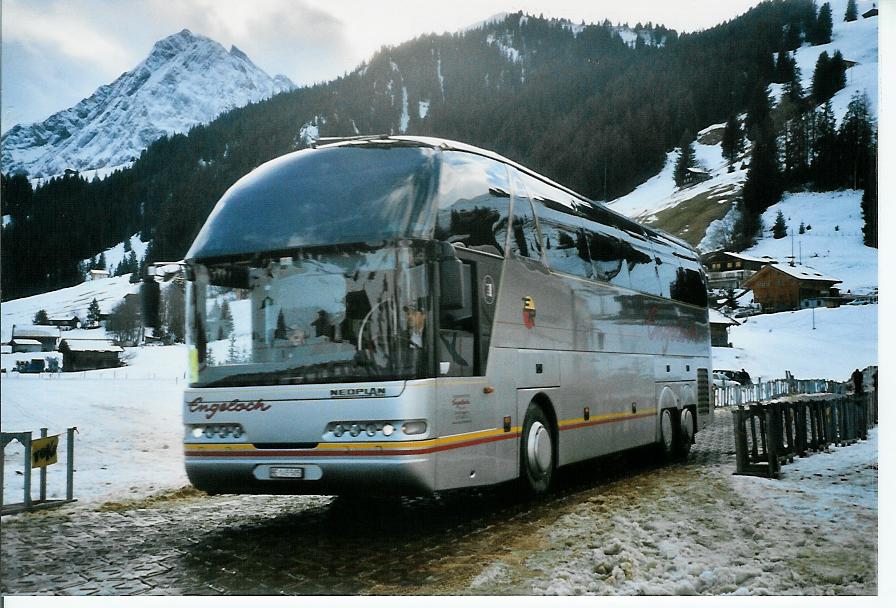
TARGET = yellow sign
(43,451)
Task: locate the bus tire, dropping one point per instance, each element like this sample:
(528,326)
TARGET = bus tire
(668,443)
(537,462)
(685,434)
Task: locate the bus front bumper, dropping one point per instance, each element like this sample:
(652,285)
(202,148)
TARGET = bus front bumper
(411,475)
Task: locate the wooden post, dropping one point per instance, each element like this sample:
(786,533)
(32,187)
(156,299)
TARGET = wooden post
(774,466)
(43,471)
(740,439)
(70,465)
(27,471)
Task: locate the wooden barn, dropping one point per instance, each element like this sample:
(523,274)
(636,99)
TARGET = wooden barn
(47,336)
(84,354)
(780,287)
(718,328)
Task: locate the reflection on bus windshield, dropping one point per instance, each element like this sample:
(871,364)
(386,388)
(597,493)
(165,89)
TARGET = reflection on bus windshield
(348,315)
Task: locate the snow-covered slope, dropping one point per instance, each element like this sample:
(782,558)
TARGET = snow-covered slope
(71,300)
(858,43)
(186,80)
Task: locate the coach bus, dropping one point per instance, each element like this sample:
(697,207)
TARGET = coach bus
(407,315)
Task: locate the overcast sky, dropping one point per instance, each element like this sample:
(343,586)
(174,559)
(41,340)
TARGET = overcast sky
(57,52)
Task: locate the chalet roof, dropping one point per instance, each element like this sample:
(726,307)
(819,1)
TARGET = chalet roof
(35,331)
(744,257)
(87,345)
(718,318)
(25,341)
(68,317)
(798,271)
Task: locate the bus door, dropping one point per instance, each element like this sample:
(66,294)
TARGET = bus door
(464,411)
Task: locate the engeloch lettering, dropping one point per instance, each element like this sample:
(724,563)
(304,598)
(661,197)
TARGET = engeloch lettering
(210,409)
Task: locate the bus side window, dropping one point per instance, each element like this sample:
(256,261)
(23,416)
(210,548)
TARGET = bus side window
(608,257)
(641,265)
(524,239)
(689,286)
(473,202)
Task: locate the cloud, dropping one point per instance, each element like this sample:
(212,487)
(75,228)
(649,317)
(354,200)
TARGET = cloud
(281,36)
(61,29)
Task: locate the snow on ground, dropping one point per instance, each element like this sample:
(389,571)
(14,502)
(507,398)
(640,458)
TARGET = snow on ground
(115,255)
(856,41)
(74,300)
(129,439)
(699,530)
(766,346)
(834,244)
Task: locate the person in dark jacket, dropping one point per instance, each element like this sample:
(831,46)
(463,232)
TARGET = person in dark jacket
(858,387)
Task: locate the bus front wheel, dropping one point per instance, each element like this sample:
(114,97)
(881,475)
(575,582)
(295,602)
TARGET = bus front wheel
(536,451)
(668,434)
(685,435)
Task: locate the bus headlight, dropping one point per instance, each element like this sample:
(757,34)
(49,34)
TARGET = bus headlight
(197,432)
(388,429)
(371,430)
(355,430)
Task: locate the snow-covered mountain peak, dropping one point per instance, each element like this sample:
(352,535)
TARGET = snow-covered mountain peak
(187,79)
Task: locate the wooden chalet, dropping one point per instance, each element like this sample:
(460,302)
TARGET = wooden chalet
(66,321)
(728,270)
(778,287)
(86,354)
(45,335)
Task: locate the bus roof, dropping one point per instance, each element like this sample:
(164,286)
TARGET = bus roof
(448,144)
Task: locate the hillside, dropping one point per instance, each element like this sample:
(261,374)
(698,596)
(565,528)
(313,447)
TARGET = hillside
(704,214)
(592,106)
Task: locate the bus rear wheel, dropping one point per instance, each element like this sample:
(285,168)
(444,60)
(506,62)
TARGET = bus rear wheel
(536,451)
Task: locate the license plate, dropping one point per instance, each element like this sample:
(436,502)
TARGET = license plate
(287,472)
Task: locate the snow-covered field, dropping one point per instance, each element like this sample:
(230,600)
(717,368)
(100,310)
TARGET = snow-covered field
(766,346)
(129,439)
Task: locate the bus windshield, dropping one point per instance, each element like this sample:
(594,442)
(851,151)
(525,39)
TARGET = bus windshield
(344,314)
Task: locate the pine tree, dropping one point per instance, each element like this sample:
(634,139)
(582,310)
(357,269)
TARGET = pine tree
(758,109)
(854,142)
(869,204)
(802,228)
(851,12)
(763,187)
(101,262)
(93,313)
(824,26)
(226,325)
(686,159)
(280,332)
(824,150)
(41,317)
(732,141)
(779,229)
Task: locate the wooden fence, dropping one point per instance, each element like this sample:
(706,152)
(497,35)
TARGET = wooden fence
(767,435)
